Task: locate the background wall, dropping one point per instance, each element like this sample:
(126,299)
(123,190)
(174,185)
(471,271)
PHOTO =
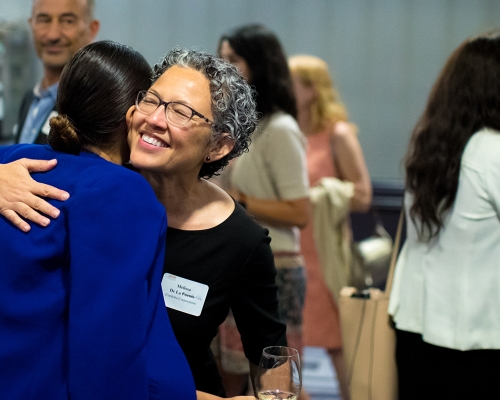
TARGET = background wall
(384,54)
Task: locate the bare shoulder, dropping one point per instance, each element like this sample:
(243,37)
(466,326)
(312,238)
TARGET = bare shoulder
(217,204)
(344,131)
(217,194)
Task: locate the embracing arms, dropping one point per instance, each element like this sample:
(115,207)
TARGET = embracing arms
(21,195)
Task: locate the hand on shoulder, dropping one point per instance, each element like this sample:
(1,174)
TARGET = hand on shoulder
(21,196)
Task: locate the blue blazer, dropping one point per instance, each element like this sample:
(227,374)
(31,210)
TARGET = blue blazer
(82,314)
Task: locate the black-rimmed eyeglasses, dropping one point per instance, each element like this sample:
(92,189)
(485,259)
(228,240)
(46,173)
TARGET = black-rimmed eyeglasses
(177,114)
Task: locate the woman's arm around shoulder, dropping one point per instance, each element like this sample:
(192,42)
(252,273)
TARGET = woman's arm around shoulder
(21,195)
(351,164)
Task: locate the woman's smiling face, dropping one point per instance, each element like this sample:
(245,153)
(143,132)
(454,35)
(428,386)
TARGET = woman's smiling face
(157,145)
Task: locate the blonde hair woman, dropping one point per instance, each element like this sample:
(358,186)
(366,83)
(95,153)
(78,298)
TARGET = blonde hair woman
(333,150)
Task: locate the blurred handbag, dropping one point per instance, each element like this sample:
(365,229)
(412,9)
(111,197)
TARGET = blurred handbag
(369,339)
(371,258)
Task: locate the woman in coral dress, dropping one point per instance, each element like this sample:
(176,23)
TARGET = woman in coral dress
(333,150)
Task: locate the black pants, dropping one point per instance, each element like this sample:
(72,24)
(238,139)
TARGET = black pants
(428,372)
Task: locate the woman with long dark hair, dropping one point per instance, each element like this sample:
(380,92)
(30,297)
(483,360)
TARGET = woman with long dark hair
(81,308)
(446,298)
(271,179)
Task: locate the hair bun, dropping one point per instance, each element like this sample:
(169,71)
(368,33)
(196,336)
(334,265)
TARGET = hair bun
(63,135)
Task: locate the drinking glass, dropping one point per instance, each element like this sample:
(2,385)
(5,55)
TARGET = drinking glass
(279,374)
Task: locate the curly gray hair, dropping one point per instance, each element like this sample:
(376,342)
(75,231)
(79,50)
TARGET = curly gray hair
(233,104)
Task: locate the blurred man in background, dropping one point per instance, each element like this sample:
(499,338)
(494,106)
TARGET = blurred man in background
(59,28)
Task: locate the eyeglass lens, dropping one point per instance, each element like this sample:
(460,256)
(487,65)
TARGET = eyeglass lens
(176,113)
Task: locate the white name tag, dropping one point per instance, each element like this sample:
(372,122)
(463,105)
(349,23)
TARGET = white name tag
(46,126)
(183,295)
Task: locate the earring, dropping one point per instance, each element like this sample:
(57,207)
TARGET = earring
(207,158)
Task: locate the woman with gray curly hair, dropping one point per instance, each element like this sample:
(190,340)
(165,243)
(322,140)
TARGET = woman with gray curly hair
(198,115)
(232,103)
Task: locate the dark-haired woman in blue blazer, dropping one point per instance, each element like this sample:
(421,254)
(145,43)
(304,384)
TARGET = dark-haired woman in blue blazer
(82,315)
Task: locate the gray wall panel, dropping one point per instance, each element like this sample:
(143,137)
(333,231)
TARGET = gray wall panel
(384,54)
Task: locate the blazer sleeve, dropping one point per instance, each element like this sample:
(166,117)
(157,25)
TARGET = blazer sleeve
(117,243)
